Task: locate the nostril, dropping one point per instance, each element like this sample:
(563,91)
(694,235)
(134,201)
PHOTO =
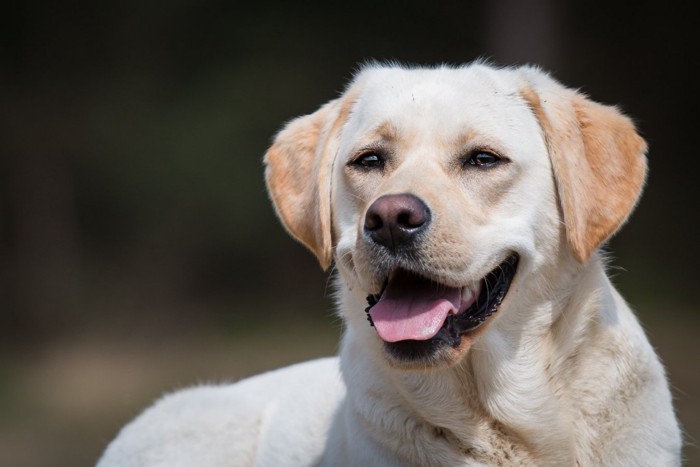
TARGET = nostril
(411,218)
(373,221)
(403,219)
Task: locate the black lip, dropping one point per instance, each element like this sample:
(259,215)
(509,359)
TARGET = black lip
(494,288)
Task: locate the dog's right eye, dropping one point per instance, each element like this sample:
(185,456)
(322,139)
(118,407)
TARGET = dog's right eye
(370,160)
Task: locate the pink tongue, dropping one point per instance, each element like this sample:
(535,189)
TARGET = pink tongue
(413,308)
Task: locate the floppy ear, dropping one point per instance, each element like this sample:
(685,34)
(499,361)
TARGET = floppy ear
(298,176)
(598,160)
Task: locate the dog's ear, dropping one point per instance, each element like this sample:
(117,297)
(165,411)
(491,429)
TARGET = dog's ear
(298,176)
(598,159)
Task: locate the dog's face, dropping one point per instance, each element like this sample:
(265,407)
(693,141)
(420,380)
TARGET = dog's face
(442,195)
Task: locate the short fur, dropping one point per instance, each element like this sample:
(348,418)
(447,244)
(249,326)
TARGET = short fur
(561,375)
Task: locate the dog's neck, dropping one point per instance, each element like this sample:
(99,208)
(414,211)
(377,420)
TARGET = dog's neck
(506,387)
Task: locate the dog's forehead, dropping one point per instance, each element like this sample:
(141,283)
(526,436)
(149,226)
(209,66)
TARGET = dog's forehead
(442,100)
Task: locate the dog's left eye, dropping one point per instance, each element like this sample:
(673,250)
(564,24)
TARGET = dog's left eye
(482,159)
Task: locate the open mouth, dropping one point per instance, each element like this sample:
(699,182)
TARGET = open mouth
(414,315)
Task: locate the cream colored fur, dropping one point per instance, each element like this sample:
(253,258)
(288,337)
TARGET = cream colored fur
(561,375)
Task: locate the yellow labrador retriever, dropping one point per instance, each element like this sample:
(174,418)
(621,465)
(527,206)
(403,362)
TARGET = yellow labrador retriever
(463,208)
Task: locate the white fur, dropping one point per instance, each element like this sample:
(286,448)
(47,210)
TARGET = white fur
(563,375)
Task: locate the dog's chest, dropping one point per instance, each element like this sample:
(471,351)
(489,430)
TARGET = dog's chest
(492,447)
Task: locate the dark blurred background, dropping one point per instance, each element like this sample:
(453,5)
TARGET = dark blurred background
(138,250)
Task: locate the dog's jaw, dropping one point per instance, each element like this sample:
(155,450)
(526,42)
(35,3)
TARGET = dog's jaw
(441,334)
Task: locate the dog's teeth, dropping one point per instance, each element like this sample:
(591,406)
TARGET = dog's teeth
(467,294)
(470,292)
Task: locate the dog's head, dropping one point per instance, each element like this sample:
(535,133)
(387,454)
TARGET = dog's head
(441,193)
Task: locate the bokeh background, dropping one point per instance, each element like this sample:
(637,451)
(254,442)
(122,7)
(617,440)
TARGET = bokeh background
(138,250)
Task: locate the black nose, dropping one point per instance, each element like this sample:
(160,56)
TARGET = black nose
(395,220)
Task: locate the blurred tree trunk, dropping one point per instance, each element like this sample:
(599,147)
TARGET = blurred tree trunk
(522,32)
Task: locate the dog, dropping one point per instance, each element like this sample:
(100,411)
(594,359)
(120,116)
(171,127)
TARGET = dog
(464,209)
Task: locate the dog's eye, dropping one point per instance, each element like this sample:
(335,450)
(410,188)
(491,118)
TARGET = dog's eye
(483,159)
(370,160)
